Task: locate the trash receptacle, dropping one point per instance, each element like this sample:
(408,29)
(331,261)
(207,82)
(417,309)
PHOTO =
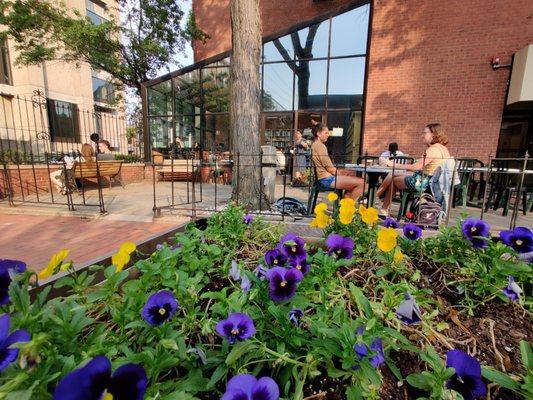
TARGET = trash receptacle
(269,165)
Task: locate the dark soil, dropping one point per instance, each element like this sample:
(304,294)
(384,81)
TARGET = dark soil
(323,387)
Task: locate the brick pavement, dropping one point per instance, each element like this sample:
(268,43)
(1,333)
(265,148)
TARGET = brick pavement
(33,239)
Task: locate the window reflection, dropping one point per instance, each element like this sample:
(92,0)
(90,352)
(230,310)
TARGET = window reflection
(159,99)
(187,93)
(349,32)
(160,133)
(279,49)
(345,139)
(187,131)
(216,132)
(310,91)
(277,87)
(312,42)
(215,86)
(346,82)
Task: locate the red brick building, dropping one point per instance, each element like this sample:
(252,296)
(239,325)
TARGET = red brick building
(391,66)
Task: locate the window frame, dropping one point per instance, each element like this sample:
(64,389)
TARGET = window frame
(6,76)
(55,129)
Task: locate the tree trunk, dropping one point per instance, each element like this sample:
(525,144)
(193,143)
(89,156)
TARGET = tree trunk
(245,102)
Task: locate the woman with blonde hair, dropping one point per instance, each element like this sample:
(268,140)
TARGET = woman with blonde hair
(436,140)
(57,177)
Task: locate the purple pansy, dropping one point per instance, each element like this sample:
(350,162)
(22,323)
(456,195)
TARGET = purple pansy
(283,283)
(275,258)
(7,354)
(476,232)
(375,353)
(246,284)
(512,291)
(159,307)
(238,326)
(248,387)
(408,311)
(467,378)
(293,246)
(8,268)
(412,231)
(294,316)
(94,380)
(391,223)
(520,239)
(234,272)
(260,272)
(300,264)
(340,246)
(248,218)
(199,353)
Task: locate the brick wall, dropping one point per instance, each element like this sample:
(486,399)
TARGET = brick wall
(429,62)
(38,179)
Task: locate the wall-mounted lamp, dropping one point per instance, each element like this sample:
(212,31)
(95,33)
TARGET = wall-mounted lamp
(496,63)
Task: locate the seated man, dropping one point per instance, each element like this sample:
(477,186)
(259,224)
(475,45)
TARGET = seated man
(328,176)
(104,151)
(385,157)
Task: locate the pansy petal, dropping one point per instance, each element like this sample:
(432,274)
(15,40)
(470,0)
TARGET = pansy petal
(7,356)
(244,382)
(5,323)
(463,363)
(85,383)
(265,389)
(18,336)
(129,382)
(236,394)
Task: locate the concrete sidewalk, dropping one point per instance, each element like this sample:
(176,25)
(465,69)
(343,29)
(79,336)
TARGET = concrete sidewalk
(33,239)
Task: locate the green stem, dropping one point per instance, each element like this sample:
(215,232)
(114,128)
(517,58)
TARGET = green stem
(282,356)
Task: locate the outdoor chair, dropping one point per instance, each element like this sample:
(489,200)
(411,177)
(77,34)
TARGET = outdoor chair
(464,170)
(366,160)
(315,190)
(403,160)
(406,194)
(477,182)
(501,184)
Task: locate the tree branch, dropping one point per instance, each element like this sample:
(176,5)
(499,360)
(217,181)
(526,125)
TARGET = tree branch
(284,53)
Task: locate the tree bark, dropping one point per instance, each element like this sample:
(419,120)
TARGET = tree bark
(245,103)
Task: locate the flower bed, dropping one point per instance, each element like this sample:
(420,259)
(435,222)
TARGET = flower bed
(240,311)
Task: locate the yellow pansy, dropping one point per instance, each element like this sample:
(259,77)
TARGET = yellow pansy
(127,247)
(346,218)
(347,202)
(53,264)
(387,239)
(398,256)
(332,196)
(369,215)
(320,207)
(119,260)
(321,220)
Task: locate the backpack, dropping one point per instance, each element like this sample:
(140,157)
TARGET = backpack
(289,205)
(425,210)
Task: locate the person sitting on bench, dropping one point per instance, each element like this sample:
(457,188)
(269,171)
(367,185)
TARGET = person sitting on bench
(104,151)
(328,176)
(58,177)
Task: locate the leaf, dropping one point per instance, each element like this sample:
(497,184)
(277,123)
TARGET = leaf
(421,381)
(169,344)
(238,350)
(362,302)
(219,373)
(527,355)
(499,378)
(394,369)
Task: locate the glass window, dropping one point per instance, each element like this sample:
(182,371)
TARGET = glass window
(160,133)
(277,87)
(215,87)
(278,130)
(346,82)
(349,32)
(187,92)
(5,66)
(312,42)
(216,135)
(103,91)
(95,18)
(345,139)
(310,91)
(188,131)
(63,120)
(279,51)
(160,99)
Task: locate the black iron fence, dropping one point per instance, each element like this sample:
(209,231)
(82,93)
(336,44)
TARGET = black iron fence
(205,183)
(38,129)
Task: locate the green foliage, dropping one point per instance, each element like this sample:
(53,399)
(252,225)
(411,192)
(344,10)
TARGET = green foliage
(432,382)
(132,47)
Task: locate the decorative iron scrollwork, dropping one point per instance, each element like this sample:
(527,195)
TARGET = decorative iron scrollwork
(43,135)
(38,99)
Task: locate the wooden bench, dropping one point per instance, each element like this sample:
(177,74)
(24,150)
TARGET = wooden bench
(178,170)
(106,169)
